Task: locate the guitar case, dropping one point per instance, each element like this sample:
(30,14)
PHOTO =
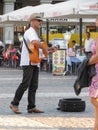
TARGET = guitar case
(71,105)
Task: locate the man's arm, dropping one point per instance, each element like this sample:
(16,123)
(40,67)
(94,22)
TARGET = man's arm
(38,45)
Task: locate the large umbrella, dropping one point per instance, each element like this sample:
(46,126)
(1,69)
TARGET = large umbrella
(24,13)
(73,9)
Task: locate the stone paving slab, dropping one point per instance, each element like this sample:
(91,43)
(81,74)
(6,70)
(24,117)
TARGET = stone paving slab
(16,122)
(52,119)
(51,89)
(40,123)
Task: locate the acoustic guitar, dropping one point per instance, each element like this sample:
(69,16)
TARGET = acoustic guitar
(34,52)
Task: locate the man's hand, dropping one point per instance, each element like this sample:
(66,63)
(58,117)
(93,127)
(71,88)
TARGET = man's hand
(45,52)
(53,49)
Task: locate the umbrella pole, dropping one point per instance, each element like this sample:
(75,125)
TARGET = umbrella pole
(47,31)
(80,35)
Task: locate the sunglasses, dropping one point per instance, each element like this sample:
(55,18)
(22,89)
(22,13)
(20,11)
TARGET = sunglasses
(39,20)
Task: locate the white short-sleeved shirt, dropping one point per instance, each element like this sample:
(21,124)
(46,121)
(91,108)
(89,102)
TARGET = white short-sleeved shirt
(29,35)
(88,44)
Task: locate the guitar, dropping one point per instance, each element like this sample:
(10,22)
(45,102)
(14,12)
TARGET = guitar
(34,54)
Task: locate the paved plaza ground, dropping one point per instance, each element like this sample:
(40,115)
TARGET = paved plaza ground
(51,89)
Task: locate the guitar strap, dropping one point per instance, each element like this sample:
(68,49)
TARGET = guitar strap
(27,48)
(27,45)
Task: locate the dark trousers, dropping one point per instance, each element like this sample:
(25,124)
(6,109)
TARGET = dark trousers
(88,54)
(30,81)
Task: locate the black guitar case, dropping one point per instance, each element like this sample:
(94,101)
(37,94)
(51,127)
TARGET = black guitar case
(71,105)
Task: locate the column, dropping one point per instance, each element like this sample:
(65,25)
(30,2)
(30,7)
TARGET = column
(8,31)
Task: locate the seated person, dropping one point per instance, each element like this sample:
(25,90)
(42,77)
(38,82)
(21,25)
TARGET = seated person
(1,54)
(76,46)
(70,52)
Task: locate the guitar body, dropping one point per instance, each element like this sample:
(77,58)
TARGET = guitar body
(44,44)
(34,55)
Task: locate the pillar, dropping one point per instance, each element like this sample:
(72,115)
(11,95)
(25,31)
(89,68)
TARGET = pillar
(8,31)
(47,23)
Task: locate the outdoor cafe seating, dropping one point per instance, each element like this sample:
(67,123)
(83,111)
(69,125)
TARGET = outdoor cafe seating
(73,62)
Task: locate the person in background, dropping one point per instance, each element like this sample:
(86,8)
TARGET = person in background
(2,44)
(30,70)
(75,45)
(1,54)
(70,51)
(87,45)
(10,55)
(93,88)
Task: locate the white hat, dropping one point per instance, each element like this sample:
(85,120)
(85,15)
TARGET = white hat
(36,16)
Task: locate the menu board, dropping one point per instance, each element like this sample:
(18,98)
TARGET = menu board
(58,62)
